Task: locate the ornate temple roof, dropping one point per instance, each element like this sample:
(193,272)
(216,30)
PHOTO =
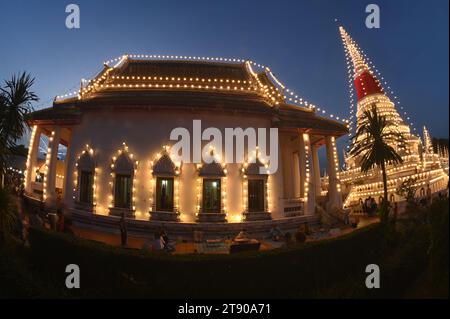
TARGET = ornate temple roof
(180,84)
(184,69)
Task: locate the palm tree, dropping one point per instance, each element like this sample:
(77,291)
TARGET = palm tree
(15,103)
(374,143)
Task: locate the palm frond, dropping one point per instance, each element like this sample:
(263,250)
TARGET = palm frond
(16,100)
(375,138)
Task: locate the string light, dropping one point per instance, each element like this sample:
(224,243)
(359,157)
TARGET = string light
(130,156)
(255,158)
(31,147)
(47,165)
(361,63)
(165,153)
(272,94)
(88,151)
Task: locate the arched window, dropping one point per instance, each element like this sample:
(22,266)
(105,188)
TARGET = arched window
(212,184)
(211,192)
(123,172)
(255,191)
(85,180)
(164,201)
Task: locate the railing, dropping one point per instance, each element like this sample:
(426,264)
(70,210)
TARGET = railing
(293,206)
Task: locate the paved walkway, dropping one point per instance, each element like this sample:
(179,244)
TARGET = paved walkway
(187,247)
(181,247)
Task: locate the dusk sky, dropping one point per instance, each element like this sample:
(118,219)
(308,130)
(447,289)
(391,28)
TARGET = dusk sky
(299,40)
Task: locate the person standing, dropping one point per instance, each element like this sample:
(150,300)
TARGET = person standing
(60,225)
(395,211)
(429,195)
(123,230)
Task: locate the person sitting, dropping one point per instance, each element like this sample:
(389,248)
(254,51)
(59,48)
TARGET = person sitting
(158,242)
(242,236)
(165,239)
(275,233)
(354,221)
(306,229)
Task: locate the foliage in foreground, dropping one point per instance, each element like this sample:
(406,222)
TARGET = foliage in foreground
(8,213)
(413,260)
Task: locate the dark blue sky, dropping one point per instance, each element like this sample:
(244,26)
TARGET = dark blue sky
(299,40)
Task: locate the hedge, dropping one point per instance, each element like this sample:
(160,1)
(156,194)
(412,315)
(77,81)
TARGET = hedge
(302,270)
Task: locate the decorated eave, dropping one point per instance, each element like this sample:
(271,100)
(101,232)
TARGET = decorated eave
(289,117)
(66,115)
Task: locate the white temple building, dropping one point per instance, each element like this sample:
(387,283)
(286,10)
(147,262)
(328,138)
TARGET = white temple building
(117,130)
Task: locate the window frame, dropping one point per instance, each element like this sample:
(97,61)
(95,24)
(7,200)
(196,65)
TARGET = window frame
(205,180)
(130,195)
(262,201)
(89,189)
(157,194)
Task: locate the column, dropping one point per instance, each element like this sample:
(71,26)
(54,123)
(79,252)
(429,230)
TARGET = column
(316,169)
(302,163)
(309,189)
(33,148)
(334,187)
(67,187)
(51,162)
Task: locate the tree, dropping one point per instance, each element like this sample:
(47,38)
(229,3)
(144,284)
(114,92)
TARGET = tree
(16,100)
(408,189)
(20,150)
(374,140)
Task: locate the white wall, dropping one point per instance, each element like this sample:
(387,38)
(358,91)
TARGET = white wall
(145,132)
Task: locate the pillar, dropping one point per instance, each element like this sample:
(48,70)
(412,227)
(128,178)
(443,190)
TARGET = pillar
(302,163)
(309,194)
(33,148)
(334,187)
(316,169)
(51,162)
(66,168)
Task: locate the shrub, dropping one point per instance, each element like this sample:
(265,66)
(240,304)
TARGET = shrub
(439,238)
(8,213)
